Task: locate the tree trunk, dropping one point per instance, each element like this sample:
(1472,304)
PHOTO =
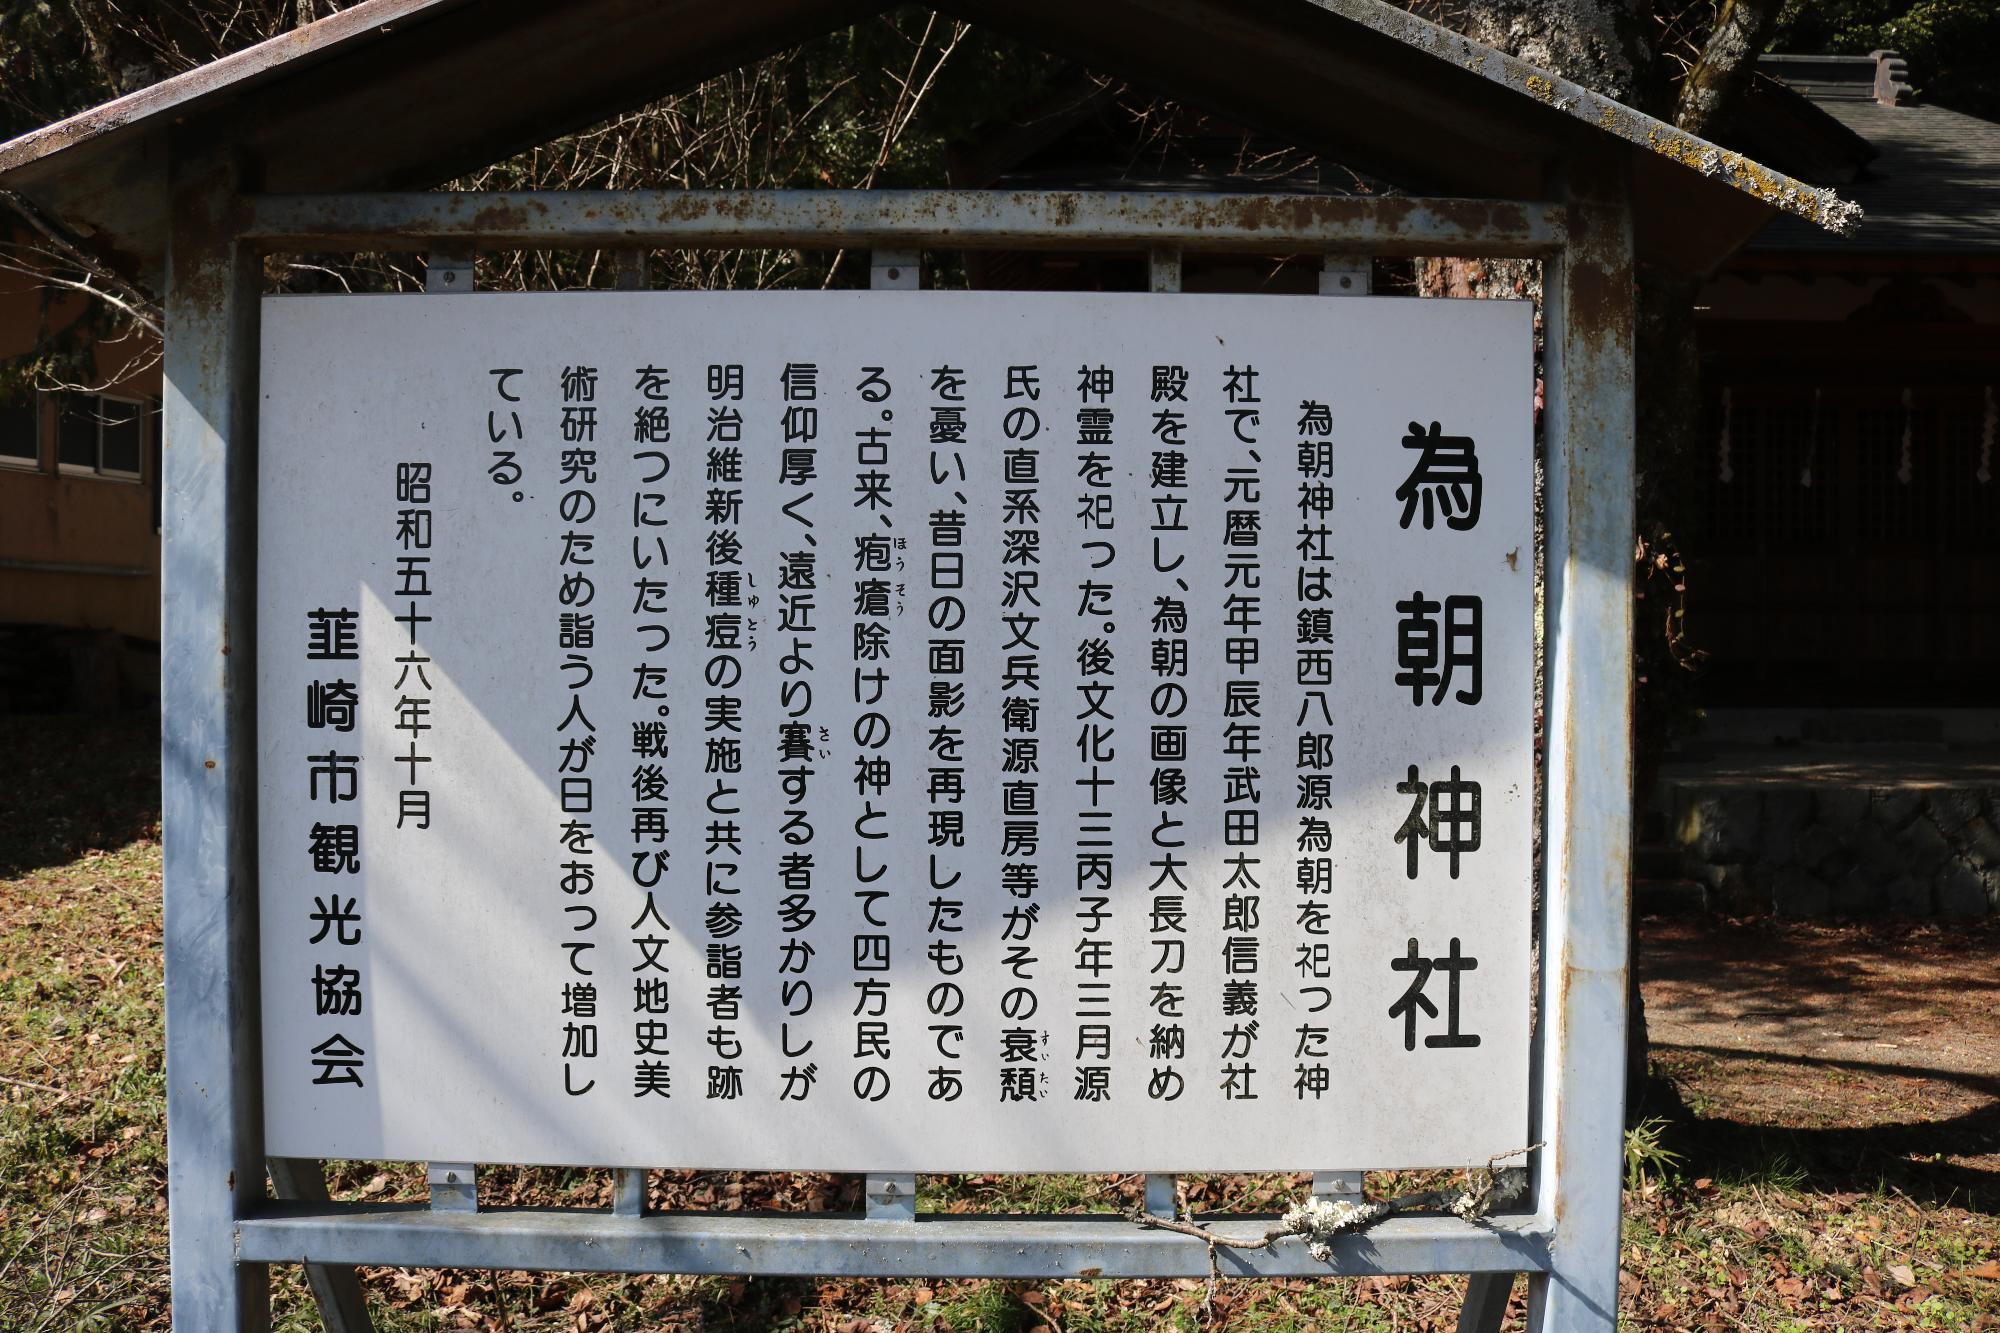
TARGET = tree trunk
(1609,46)
(1605,45)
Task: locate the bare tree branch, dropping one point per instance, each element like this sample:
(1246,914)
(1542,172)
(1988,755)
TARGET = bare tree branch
(111,288)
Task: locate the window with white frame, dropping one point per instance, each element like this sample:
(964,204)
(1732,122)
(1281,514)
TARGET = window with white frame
(20,433)
(100,435)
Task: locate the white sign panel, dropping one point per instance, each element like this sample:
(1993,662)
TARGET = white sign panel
(896,731)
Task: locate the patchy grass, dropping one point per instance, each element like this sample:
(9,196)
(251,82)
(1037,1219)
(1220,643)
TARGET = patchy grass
(1781,1193)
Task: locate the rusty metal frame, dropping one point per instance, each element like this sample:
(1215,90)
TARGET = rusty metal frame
(226,1230)
(906,219)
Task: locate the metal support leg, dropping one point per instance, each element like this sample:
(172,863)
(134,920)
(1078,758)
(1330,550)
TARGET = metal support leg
(208,707)
(892,1198)
(335,1287)
(454,1187)
(1163,271)
(1586,904)
(1161,1197)
(1485,1307)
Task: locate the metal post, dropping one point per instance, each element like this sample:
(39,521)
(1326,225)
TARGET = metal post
(215,1141)
(335,1287)
(1586,904)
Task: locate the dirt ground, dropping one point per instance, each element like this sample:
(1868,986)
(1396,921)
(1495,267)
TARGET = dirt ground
(1866,1042)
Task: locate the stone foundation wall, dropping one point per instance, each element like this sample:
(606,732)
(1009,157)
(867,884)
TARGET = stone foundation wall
(1817,851)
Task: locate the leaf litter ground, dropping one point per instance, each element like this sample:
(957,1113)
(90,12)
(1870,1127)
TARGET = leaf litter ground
(1823,1147)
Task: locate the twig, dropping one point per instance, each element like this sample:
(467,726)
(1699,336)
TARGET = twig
(1318,1221)
(40,1087)
(903,111)
(138,314)
(1174,1224)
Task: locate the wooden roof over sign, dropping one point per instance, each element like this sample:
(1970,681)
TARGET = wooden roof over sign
(405,94)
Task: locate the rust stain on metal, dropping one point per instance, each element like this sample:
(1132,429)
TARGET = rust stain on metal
(500,217)
(959,219)
(1600,301)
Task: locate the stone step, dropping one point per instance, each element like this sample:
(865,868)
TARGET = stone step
(1669,897)
(1657,860)
(1873,728)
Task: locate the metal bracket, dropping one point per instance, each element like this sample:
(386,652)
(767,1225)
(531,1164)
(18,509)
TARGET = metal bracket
(454,1187)
(1337,1186)
(1161,1197)
(633,271)
(449,270)
(628,1192)
(1346,275)
(895,270)
(892,1198)
(1163,270)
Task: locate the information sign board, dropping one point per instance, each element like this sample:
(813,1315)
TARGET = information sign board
(896,732)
